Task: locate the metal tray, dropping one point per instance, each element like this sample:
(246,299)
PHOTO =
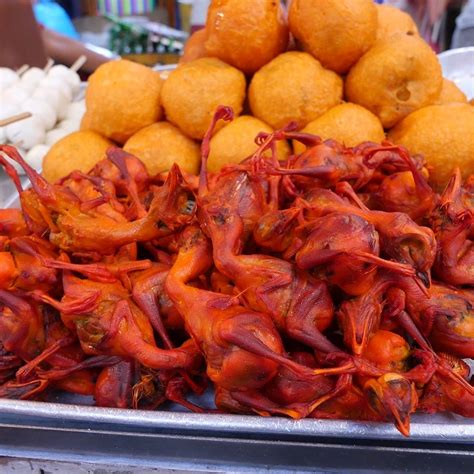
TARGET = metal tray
(458,66)
(66,429)
(231,443)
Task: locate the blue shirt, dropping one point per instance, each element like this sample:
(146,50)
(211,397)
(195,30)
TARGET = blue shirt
(54,17)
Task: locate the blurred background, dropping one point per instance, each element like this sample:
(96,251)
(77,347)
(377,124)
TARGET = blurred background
(153,32)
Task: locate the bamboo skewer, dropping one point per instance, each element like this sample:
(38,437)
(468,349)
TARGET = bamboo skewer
(21,70)
(48,66)
(15,118)
(78,63)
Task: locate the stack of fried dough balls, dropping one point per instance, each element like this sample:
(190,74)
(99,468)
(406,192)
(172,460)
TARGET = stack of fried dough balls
(443,134)
(194,90)
(294,87)
(246,33)
(236,142)
(346,123)
(122,97)
(160,145)
(392,21)
(77,151)
(336,32)
(396,77)
(348,70)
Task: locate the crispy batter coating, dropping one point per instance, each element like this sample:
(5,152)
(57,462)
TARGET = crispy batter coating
(194,90)
(160,145)
(122,97)
(336,32)
(246,33)
(392,20)
(77,151)
(195,47)
(450,92)
(395,78)
(444,135)
(293,87)
(347,123)
(236,141)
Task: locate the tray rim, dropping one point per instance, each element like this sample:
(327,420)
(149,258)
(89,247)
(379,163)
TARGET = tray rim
(449,429)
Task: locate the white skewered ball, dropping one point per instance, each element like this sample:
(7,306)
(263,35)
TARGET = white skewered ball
(26,133)
(58,84)
(32,77)
(8,77)
(61,88)
(76,110)
(7,110)
(55,135)
(36,155)
(15,94)
(71,77)
(54,97)
(71,125)
(41,109)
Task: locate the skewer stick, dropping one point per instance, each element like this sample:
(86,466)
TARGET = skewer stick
(21,70)
(15,118)
(48,66)
(80,61)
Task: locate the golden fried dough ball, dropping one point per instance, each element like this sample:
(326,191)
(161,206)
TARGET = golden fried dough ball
(86,122)
(236,141)
(160,145)
(395,77)
(121,98)
(392,20)
(293,87)
(349,124)
(336,32)
(77,151)
(246,33)
(444,135)
(450,92)
(194,90)
(195,47)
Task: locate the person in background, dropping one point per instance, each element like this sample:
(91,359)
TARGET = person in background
(20,37)
(464,32)
(54,17)
(24,41)
(435,18)
(433,10)
(65,50)
(73,7)
(60,36)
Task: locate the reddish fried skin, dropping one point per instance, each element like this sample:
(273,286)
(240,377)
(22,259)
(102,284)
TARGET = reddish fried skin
(335,284)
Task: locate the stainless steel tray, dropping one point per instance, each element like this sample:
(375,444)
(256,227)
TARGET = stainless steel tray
(184,441)
(69,430)
(458,66)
